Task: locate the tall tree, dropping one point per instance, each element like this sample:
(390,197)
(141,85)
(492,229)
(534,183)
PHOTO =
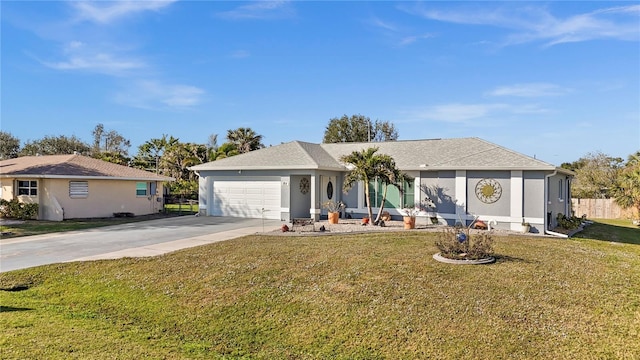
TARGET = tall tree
(224,151)
(151,152)
(358,128)
(212,146)
(55,145)
(367,166)
(178,157)
(384,131)
(109,142)
(245,139)
(627,187)
(595,176)
(9,145)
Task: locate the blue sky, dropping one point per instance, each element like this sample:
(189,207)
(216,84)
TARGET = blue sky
(555,80)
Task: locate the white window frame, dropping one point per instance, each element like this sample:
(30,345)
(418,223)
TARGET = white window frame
(560,190)
(29,188)
(78,189)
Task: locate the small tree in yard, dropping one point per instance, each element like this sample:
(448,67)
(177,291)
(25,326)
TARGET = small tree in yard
(367,165)
(390,175)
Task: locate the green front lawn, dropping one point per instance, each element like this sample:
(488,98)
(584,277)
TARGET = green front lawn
(366,296)
(615,230)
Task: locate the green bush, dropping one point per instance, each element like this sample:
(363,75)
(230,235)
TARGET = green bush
(457,243)
(16,210)
(568,223)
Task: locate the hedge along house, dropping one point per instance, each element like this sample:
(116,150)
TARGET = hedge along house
(465,178)
(76,186)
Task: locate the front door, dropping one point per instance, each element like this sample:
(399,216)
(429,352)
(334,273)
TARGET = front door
(328,190)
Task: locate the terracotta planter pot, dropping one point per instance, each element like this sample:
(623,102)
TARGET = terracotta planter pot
(333,217)
(409,222)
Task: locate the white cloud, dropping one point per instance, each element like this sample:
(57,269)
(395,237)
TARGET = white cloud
(377,22)
(79,56)
(107,11)
(155,95)
(412,39)
(538,24)
(466,113)
(259,10)
(529,90)
(462,112)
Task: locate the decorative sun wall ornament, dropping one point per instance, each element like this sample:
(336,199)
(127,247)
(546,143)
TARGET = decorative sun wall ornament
(304,186)
(488,190)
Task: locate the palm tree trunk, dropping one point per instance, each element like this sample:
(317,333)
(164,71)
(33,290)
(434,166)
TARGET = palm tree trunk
(384,199)
(368,198)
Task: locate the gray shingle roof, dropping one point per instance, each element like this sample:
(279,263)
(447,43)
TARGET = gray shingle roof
(72,166)
(434,154)
(291,155)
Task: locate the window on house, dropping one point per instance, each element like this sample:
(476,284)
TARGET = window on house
(560,190)
(78,189)
(28,187)
(408,196)
(394,198)
(141,189)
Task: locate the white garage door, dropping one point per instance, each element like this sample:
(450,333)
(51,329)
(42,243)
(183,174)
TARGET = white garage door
(246,199)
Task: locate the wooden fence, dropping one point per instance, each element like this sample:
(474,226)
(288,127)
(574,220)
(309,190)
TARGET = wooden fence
(601,209)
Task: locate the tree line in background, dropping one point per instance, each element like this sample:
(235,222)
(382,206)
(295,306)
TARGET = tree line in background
(169,156)
(600,176)
(597,175)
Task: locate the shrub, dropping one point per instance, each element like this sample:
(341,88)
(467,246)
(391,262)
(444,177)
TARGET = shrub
(16,210)
(457,243)
(568,223)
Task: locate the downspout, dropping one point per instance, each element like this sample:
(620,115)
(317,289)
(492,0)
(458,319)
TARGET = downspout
(198,213)
(546,203)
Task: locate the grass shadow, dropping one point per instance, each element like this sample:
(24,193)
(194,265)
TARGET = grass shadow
(12,309)
(611,233)
(507,258)
(15,288)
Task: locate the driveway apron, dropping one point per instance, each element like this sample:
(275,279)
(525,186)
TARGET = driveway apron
(146,238)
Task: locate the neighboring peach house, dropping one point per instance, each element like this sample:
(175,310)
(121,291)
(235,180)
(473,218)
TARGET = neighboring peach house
(76,186)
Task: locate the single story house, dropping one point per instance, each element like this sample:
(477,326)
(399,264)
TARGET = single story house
(466,178)
(76,186)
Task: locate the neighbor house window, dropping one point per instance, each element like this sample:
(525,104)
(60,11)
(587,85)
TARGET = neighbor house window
(78,189)
(141,189)
(28,187)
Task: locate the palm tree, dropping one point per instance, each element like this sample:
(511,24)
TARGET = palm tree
(224,151)
(245,139)
(390,175)
(367,166)
(627,187)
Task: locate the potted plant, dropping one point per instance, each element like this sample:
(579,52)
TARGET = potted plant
(409,219)
(526,227)
(333,209)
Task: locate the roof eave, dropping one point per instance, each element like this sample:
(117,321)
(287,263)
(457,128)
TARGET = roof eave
(477,168)
(81,177)
(247,167)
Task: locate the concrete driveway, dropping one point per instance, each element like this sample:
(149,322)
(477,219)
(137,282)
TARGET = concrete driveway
(146,238)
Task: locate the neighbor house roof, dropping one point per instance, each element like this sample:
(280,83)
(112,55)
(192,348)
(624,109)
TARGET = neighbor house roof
(72,166)
(433,154)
